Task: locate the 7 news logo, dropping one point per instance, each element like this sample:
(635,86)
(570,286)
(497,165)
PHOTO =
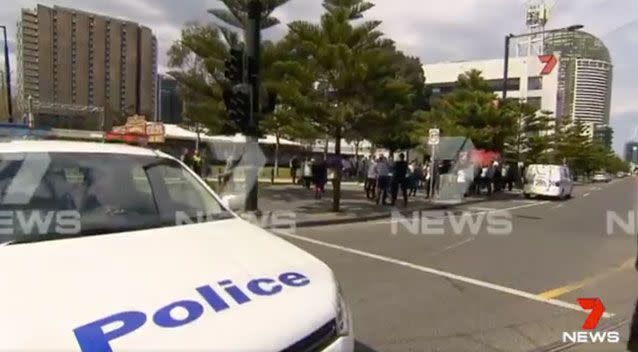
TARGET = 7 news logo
(591,323)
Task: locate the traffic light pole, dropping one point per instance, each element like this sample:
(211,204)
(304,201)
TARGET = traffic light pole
(253,50)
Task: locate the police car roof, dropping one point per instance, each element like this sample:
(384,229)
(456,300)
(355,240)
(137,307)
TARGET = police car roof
(43,146)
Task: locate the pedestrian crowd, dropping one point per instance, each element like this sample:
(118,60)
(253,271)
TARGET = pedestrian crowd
(384,179)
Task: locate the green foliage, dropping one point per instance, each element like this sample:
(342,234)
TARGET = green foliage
(197,60)
(574,148)
(539,140)
(472,110)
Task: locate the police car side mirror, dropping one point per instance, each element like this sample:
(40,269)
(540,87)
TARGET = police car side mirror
(226,201)
(232,201)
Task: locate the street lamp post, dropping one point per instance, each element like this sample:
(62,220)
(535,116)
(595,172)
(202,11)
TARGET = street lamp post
(8,69)
(510,36)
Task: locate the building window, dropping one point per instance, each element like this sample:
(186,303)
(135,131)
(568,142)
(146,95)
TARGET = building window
(535,102)
(496,85)
(534,83)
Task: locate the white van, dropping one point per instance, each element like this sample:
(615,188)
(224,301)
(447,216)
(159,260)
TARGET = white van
(548,180)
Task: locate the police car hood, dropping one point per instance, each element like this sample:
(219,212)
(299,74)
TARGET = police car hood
(172,282)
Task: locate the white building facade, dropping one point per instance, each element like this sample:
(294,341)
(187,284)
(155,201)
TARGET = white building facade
(533,79)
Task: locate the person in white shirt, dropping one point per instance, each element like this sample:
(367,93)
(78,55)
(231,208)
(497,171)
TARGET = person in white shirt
(382,169)
(307,173)
(371,178)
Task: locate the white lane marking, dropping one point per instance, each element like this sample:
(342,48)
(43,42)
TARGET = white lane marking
(524,201)
(481,209)
(586,194)
(451,213)
(520,207)
(452,246)
(451,276)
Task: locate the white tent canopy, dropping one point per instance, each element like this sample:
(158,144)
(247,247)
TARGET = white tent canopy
(177,132)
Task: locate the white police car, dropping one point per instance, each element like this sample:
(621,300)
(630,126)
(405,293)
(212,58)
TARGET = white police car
(95,256)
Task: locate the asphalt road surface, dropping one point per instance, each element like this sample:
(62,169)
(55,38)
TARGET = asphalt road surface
(447,287)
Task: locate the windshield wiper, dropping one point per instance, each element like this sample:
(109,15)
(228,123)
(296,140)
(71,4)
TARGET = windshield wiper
(201,219)
(85,233)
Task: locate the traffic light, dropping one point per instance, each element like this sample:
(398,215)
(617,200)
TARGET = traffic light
(238,104)
(271,103)
(235,66)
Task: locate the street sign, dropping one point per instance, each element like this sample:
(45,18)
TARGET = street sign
(433,139)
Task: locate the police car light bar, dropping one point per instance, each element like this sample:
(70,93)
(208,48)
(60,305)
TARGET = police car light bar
(128,138)
(13,131)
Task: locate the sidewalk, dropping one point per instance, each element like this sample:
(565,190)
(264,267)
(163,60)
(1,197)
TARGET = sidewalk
(308,211)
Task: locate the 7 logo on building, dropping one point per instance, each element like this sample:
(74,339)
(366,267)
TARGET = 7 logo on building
(550,62)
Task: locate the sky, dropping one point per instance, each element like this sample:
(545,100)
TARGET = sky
(434,31)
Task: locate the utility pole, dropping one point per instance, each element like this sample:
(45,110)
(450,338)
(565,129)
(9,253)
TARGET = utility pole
(8,69)
(253,51)
(506,65)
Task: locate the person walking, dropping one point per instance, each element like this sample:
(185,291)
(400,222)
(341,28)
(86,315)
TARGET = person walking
(497,176)
(371,178)
(294,166)
(382,169)
(632,343)
(307,173)
(399,179)
(197,163)
(485,180)
(427,179)
(413,178)
(510,176)
(319,177)
(184,155)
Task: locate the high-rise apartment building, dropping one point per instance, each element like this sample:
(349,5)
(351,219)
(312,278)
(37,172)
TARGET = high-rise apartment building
(586,74)
(631,152)
(169,102)
(74,57)
(4,102)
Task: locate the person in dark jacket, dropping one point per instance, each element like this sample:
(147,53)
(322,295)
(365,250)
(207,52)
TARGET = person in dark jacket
(632,344)
(294,166)
(319,177)
(399,179)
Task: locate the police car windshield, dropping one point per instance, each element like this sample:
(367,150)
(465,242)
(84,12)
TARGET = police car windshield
(48,196)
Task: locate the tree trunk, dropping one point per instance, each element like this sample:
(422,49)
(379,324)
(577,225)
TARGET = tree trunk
(276,172)
(325,148)
(336,194)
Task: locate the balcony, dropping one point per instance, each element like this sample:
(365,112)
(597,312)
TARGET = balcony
(30,25)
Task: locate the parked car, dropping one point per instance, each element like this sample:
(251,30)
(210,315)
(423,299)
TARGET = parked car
(621,174)
(601,176)
(548,180)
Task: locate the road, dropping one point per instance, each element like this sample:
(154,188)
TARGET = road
(474,290)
